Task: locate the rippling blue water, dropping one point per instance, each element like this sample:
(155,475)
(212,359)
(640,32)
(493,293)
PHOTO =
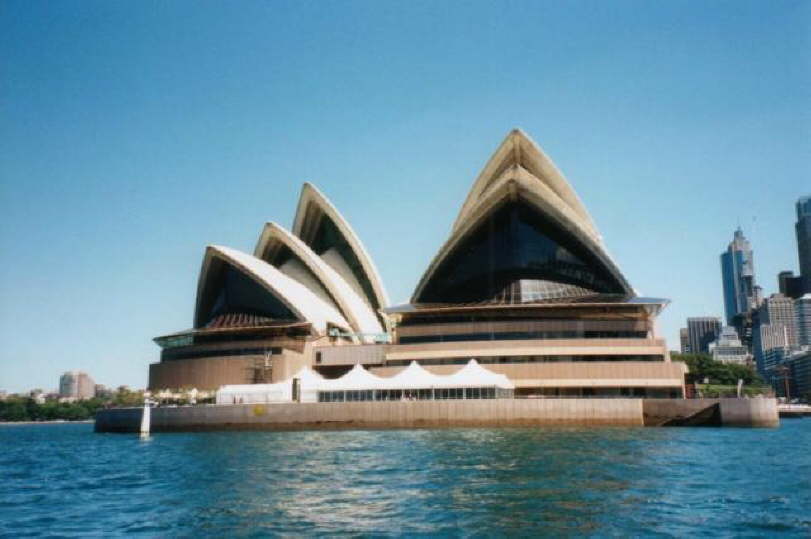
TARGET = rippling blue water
(67,480)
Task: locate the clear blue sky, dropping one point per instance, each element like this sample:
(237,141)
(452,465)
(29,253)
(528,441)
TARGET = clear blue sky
(132,134)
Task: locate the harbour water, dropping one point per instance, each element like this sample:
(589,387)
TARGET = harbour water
(66,480)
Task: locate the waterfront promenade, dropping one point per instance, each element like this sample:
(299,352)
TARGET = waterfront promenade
(451,413)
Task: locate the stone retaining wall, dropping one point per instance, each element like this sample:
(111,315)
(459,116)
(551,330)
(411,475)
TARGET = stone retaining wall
(423,414)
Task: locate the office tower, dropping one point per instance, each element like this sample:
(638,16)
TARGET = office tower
(701,331)
(803,229)
(728,348)
(778,310)
(76,385)
(775,327)
(802,313)
(738,277)
(789,284)
(684,341)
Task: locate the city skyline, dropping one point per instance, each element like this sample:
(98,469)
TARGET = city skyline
(129,150)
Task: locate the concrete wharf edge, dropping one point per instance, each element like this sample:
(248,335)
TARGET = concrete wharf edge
(432,414)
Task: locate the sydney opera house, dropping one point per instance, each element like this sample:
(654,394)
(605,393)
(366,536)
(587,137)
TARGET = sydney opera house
(523,284)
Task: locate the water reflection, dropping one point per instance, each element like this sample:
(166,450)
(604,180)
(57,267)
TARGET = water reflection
(69,481)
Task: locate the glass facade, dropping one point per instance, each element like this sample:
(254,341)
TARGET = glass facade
(524,359)
(231,291)
(173,354)
(521,335)
(455,393)
(738,277)
(517,255)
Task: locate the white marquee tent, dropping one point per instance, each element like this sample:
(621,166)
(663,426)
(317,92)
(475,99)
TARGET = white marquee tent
(413,377)
(278,392)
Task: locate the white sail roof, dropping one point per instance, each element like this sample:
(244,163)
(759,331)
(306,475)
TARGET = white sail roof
(519,171)
(357,312)
(298,298)
(312,206)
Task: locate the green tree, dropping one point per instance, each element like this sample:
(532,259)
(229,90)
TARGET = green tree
(704,366)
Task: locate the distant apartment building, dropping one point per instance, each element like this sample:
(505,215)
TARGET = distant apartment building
(728,348)
(803,230)
(802,314)
(701,331)
(684,341)
(76,385)
(738,278)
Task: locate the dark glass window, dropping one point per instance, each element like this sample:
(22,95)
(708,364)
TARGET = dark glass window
(518,255)
(234,292)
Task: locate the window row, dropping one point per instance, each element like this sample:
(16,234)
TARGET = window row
(415,394)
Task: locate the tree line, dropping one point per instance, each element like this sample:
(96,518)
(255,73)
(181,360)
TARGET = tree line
(26,408)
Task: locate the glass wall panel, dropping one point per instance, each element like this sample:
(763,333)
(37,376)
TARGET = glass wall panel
(232,291)
(518,255)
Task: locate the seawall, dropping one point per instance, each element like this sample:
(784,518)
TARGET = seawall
(450,413)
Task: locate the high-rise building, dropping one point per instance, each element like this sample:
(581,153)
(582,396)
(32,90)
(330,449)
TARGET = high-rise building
(701,331)
(684,341)
(728,348)
(76,385)
(803,229)
(789,284)
(778,310)
(802,313)
(799,365)
(738,277)
(775,327)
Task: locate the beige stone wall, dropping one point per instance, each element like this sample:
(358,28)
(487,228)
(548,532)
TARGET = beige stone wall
(207,373)
(289,362)
(398,414)
(213,372)
(415,414)
(365,354)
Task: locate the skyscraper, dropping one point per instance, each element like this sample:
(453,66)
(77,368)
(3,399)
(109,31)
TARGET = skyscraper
(803,229)
(789,284)
(738,277)
(802,312)
(775,327)
(701,331)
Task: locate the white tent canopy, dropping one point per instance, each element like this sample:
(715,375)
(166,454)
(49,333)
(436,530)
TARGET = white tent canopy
(278,392)
(357,378)
(413,377)
(474,375)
